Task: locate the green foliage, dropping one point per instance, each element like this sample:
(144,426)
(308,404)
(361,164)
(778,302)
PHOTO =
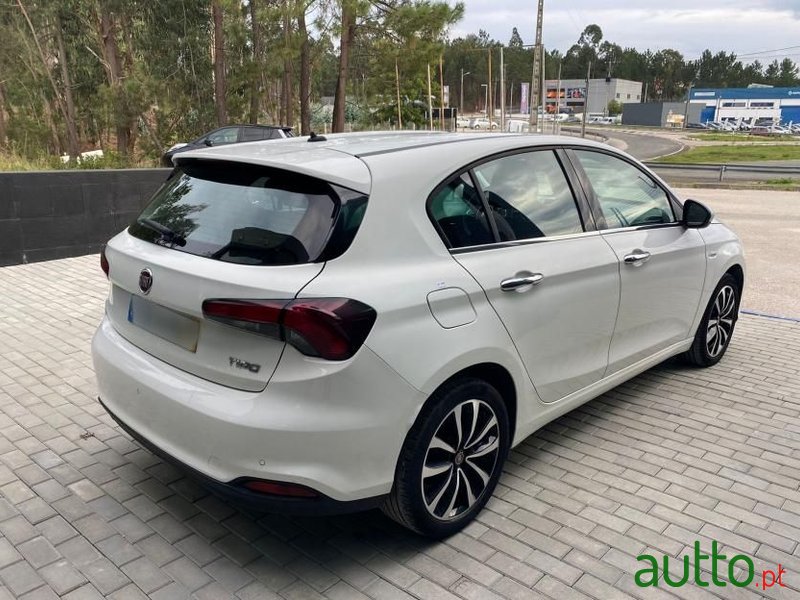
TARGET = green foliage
(614,108)
(164,92)
(740,153)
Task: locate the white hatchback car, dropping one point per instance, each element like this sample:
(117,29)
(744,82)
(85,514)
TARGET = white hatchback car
(374,320)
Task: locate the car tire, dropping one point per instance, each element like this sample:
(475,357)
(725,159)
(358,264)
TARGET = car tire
(715,331)
(451,460)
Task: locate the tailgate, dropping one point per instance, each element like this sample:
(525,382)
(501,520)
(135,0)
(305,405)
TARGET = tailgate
(168,323)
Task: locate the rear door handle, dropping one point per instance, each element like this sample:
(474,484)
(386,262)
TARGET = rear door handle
(637,257)
(520,284)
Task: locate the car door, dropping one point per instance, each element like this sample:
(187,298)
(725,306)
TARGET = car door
(662,264)
(547,273)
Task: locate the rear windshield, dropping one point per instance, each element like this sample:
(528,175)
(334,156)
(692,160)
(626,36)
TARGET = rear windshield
(250,215)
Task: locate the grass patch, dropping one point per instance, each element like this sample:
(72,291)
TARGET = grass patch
(10,161)
(784,183)
(742,137)
(728,154)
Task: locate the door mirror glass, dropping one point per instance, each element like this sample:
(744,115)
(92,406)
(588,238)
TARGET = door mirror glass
(696,215)
(208,142)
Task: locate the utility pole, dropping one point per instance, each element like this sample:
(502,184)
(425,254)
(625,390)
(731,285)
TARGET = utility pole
(686,110)
(441,93)
(430,100)
(543,87)
(537,58)
(557,110)
(399,110)
(586,101)
(461,103)
(490,94)
(502,92)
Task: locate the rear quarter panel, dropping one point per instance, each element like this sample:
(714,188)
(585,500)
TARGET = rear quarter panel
(395,261)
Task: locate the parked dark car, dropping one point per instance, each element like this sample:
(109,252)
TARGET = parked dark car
(230,134)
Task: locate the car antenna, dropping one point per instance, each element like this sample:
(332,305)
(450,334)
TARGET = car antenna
(316,138)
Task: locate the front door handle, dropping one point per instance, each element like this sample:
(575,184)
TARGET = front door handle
(520,284)
(637,258)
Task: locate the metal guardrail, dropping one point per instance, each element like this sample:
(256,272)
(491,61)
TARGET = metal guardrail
(577,133)
(722,169)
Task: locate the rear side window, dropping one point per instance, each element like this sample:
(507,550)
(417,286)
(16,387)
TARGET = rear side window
(457,209)
(529,196)
(251,215)
(252,134)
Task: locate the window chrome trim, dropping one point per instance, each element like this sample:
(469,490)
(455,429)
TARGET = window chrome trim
(525,242)
(641,227)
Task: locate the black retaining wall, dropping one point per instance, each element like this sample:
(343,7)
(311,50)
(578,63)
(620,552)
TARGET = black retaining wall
(56,214)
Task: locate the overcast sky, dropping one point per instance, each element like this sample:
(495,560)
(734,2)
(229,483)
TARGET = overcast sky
(690,26)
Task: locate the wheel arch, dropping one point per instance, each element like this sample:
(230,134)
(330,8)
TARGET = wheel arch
(737,272)
(495,375)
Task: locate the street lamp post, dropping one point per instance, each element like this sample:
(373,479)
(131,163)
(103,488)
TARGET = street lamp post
(486,99)
(461,105)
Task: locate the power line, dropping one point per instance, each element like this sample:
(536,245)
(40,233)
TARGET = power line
(767,51)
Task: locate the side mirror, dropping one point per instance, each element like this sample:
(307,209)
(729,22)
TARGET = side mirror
(696,215)
(208,142)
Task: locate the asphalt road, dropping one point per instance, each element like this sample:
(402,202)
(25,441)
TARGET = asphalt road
(644,146)
(769,225)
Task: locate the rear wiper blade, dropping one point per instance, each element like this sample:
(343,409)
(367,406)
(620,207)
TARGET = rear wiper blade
(167,234)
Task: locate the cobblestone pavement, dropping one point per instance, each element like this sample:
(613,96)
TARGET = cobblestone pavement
(674,456)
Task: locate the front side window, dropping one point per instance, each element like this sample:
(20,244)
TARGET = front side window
(250,215)
(529,196)
(224,136)
(457,209)
(627,196)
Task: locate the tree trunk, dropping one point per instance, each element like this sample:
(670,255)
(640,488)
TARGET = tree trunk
(255,81)
(288,87)
(113,65)
(348,27)
(305,74)
(125,71)
(220,84)
(72,130)
(73,142)
(51,124)
(3,134)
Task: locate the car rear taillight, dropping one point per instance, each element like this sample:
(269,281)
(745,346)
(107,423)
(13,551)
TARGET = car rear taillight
(104,261)
(275,488)
(329,328)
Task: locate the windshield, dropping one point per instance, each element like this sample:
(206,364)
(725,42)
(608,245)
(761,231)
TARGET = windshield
(248,214)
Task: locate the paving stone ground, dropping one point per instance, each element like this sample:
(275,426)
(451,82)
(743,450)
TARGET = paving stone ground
(674,456)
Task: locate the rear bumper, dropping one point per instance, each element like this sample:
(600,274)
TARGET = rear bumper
(243,497)
(335,428)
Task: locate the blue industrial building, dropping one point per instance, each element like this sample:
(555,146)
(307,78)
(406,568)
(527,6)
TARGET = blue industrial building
(753,105)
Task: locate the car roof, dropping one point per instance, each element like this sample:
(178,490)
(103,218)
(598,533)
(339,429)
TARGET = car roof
(340,158)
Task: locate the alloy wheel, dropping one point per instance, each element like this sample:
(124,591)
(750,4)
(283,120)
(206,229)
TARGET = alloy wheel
(460,460)
(720,321)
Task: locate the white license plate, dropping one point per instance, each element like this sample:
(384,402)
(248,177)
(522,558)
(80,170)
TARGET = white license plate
(164,322)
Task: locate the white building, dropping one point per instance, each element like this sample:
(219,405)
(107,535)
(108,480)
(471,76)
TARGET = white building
(571,95)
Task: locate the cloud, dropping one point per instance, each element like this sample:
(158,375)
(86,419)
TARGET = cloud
(790,5)
(740,26)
